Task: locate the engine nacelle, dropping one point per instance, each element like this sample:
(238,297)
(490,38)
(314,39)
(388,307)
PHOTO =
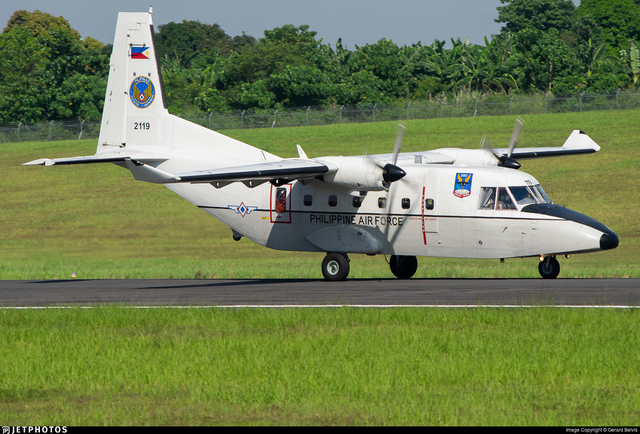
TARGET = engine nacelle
(354,173)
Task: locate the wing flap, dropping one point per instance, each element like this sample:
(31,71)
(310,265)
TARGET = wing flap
(287,170)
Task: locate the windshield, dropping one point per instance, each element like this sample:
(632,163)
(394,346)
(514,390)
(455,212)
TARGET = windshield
(529,194)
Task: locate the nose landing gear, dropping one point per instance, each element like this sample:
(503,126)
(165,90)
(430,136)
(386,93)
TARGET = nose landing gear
(549,267)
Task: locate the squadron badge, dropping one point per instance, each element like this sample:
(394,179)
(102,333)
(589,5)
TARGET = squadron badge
(142,92)
(462,185)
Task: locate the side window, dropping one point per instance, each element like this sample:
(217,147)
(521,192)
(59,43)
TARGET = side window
(487,198)
(504,200)
(406,203)
(382,202)
(281,200)
(333,200)
(428,204)
(357,201)
(308,200)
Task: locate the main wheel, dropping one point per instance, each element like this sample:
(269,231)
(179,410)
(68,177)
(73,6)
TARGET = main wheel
(549,268)
(403,267)
(335,266)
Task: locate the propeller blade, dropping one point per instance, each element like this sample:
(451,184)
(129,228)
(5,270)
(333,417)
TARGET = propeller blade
(398,143)
(514,137)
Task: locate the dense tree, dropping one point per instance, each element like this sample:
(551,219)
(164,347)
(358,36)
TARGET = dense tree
(41,60)
(619,19)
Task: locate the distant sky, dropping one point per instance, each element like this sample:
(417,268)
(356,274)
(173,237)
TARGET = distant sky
(357,22)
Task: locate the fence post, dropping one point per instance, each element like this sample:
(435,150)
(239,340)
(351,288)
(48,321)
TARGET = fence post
(408,104)
(341,107)
(617,91)
(50,124)
(273,125)
(510,100)
(209,120)
(374,112)
(19,125)
(81,125)
(581,93)
(308,108)
(242,119)
(545,101)
(475,110)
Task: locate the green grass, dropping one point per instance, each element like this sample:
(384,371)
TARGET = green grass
(344,366)
(98,222)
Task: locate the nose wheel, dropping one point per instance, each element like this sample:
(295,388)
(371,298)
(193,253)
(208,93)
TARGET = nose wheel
(549,268)
(335,266)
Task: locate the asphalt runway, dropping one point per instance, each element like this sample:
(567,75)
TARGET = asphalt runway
(290,292)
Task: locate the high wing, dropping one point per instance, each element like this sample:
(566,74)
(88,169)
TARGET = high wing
(577,143)
(254,174)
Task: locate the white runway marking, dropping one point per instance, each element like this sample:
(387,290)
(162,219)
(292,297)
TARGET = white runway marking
(280,306)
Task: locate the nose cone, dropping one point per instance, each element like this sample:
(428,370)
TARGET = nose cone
(608,241)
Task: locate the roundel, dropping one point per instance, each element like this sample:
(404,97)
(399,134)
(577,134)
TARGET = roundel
(142,92)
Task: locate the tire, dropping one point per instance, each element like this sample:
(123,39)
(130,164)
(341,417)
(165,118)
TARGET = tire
(403,267)
(335,266)
(549,268)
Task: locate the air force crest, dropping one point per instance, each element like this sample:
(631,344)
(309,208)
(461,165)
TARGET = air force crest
(242,209)
(142,92)
(462,185)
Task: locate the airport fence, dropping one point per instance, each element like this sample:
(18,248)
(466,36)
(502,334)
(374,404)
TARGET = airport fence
(312,115)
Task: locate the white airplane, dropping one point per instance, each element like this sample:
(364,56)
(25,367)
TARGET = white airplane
(458,203)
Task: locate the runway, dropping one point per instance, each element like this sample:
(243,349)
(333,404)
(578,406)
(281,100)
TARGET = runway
(308,292)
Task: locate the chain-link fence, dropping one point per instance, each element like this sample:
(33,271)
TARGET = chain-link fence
(492,106)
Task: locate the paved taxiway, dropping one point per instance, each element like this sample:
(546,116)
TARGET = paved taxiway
(575,292)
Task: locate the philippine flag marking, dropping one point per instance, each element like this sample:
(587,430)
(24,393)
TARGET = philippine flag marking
(140,52)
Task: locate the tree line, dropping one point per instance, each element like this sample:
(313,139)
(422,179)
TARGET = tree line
(48,72)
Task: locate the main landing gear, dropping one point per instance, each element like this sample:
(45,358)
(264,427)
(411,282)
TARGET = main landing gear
(335,266)
(403,267)
(549,268)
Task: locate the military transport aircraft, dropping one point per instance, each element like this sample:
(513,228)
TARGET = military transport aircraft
(463,203)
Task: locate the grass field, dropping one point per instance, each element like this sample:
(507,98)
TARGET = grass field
(344,366)
(482,366)
(98,222)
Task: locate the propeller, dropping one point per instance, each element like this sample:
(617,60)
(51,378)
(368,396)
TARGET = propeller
(391,172)
(506,160)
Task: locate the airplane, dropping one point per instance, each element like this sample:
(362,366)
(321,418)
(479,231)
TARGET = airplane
(461,203)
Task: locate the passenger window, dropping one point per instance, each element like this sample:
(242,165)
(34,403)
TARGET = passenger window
(504,200)
(382,202)
(308,200)
(428,204)
(406,203)
(487,198)
(357,201)
(333,200)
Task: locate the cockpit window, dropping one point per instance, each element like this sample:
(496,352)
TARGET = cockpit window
(504,200)
(529,194)
(488,198)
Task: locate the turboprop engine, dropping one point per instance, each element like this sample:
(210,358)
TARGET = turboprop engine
(351,173)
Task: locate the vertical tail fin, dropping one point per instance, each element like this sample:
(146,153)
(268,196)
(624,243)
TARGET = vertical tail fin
(135,116)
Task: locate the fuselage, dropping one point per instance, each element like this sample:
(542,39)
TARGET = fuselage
(435,210)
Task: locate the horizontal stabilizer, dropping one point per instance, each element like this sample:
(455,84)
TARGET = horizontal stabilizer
(92,160)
